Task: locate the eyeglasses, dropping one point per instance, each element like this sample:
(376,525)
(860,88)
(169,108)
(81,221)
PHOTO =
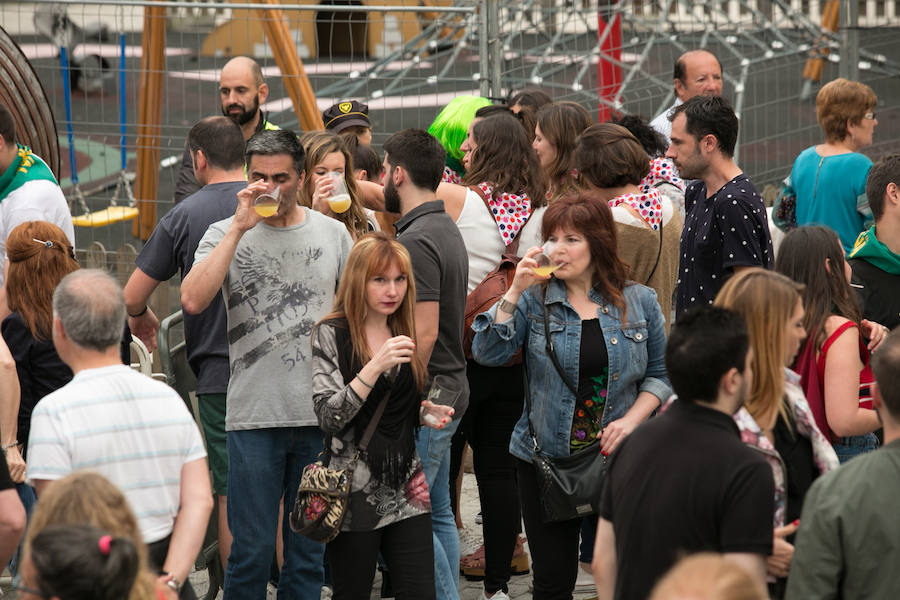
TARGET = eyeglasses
(20,588)
(869,115)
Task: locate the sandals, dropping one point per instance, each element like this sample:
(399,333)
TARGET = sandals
(472,565)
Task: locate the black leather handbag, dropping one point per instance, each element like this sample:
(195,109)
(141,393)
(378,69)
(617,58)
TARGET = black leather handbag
(569,486)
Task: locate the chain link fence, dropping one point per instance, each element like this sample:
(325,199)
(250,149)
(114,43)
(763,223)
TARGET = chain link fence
(407,58)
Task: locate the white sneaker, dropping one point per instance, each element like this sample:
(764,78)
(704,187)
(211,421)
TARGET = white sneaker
(469,541)
(498,595)
(584,582)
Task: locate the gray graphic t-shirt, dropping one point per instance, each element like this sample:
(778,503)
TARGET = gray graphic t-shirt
(281,281)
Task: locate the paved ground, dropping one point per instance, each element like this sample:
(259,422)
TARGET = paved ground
(519,586)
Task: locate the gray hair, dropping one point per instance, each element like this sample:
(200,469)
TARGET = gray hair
(91,307)
(270,142)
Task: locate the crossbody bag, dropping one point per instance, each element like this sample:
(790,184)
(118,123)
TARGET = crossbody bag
(569,486)
(323,493)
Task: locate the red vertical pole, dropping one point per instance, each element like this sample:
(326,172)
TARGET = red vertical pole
(609,74)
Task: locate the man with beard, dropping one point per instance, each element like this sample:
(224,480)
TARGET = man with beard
(725,226)
(413,167)
(683,482)
(278,276)
(241,91)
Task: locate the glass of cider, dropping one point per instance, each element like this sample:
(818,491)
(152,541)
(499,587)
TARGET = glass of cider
(339,201)
(546,265)
(266,204)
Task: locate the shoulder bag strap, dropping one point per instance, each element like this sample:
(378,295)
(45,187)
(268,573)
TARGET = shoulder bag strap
(536,448)
(513,247)
(552,354)
(658,254)
(370,428)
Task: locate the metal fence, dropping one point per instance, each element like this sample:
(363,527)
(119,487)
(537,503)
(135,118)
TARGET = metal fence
(407,58)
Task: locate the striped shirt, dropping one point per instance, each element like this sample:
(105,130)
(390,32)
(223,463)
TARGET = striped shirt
(133,430)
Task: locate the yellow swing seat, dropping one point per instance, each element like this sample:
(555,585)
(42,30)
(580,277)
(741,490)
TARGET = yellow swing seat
(107,216)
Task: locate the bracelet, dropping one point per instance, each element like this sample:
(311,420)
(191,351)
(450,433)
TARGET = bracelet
(173,583)
(507,306)
(10,445)
(140,314)
(364,382)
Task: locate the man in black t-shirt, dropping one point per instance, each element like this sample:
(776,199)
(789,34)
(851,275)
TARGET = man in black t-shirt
(725,226)
(413,166)
(217,150)
(12,514)
(683,482)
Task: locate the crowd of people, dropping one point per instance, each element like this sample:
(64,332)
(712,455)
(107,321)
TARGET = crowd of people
(598,303)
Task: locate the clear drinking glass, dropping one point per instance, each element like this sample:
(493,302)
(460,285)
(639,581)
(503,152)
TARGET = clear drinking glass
(546,265)
(266,204)
(443,390)
(340,200)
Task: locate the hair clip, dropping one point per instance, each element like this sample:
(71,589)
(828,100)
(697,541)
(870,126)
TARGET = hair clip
(48,243)
(103,543)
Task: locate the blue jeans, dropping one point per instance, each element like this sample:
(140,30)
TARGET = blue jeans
(433,446)
(263,466)
(849,447)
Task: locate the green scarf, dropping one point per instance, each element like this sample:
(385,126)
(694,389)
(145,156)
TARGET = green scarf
(870,249)
(27,166)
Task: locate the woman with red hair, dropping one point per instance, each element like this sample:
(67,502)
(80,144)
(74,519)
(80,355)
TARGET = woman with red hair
(608,340)
(39,256)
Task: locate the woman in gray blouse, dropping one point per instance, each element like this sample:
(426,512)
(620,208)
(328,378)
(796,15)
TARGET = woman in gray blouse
(363,352)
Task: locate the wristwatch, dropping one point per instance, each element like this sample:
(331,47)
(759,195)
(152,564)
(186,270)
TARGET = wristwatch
(507,306)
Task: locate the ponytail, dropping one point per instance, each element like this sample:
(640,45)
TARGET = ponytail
(80,562)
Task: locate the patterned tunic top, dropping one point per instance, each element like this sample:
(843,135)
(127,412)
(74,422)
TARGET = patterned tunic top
(373,503)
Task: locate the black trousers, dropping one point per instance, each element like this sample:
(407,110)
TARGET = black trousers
(156,556)
(554,546)
(496,397)
(408,551)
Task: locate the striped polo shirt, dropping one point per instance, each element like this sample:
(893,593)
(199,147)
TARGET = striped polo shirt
(133,430)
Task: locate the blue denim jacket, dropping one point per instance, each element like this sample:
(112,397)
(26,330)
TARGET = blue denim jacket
(636,358)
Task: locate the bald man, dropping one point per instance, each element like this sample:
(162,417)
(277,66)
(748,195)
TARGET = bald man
(696,73)
(241,91)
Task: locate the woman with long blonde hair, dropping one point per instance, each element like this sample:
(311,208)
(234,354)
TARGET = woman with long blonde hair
(87,498)
(776,419)
(365,368)
(327,153)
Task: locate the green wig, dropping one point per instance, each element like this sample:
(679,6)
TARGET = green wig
(452,124)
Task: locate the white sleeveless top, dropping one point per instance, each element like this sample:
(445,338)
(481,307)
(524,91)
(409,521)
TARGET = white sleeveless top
(482,238)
